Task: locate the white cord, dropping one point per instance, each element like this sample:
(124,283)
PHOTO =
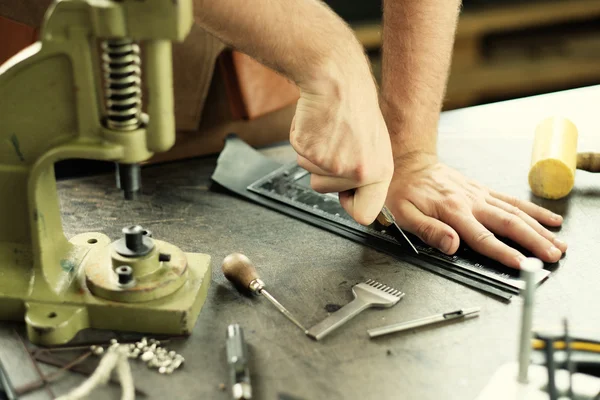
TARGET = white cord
(126,378)
(114,357)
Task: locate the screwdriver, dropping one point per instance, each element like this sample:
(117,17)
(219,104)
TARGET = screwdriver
(240,271)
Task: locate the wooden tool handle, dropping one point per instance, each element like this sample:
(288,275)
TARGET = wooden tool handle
(239,270)
(382,219)
(588,162)
(385,217)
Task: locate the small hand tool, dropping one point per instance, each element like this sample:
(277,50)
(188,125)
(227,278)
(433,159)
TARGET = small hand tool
(237,359)
(240,271)
(366,294)
(387,218)
(403,326)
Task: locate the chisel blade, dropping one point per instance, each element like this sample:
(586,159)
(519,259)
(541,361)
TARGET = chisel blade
(387,214)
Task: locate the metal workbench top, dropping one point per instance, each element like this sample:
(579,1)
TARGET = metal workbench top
(308,269)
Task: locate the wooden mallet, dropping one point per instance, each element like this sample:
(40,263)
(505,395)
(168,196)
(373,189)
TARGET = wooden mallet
(554,159)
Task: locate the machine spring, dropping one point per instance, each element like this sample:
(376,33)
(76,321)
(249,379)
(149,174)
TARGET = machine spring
(122,75)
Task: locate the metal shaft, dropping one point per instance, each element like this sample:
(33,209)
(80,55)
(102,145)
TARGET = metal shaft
(390,217)
(529,268)
(570,366)
(129,180)
(283,310)
(123,94)
(403,326)
(551,369)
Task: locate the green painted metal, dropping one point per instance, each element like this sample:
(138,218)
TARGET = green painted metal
(51,107)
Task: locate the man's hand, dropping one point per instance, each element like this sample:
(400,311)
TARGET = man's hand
(438,204)
(341,138)
(338,130)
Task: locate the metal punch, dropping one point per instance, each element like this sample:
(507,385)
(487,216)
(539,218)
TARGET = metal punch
(404,326)
(366,295)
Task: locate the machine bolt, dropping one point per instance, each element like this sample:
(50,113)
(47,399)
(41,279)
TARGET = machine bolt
(125,274)
(136,242)
(134,238)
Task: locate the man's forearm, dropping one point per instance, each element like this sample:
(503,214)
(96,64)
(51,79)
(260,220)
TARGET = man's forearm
(302,39)
(418,37)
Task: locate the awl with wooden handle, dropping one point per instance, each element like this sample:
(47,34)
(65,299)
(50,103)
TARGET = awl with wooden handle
(240,271)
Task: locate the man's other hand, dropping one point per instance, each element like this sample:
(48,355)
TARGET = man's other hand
(439,205)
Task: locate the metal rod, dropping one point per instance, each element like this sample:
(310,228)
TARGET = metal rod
(388,214)
(570,366)
(551,368)
(403,326)
(283,310)
(35,365)
(29,387)
(529,267)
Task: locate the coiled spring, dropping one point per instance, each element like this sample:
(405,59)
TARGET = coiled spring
(122,74)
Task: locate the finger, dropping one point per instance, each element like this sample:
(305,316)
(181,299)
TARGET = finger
(535,225)
(510,226)
(365,203)
(480,239)
(330,184)
(430,230)
(541,214)
(312,168)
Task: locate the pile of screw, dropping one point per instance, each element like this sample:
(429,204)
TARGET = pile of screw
(150,352)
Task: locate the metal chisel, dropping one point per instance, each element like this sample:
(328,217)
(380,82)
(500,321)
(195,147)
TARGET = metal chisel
(387,218)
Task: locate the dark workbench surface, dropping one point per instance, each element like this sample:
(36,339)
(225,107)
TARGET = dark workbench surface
(308,269)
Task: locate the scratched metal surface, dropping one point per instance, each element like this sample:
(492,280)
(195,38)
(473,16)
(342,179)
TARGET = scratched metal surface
(309,270)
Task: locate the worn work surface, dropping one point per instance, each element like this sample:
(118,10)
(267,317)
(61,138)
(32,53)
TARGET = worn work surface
(311,271)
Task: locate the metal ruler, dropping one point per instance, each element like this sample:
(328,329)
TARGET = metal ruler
(290,185)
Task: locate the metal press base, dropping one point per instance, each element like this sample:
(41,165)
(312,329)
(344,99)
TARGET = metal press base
(55,316)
